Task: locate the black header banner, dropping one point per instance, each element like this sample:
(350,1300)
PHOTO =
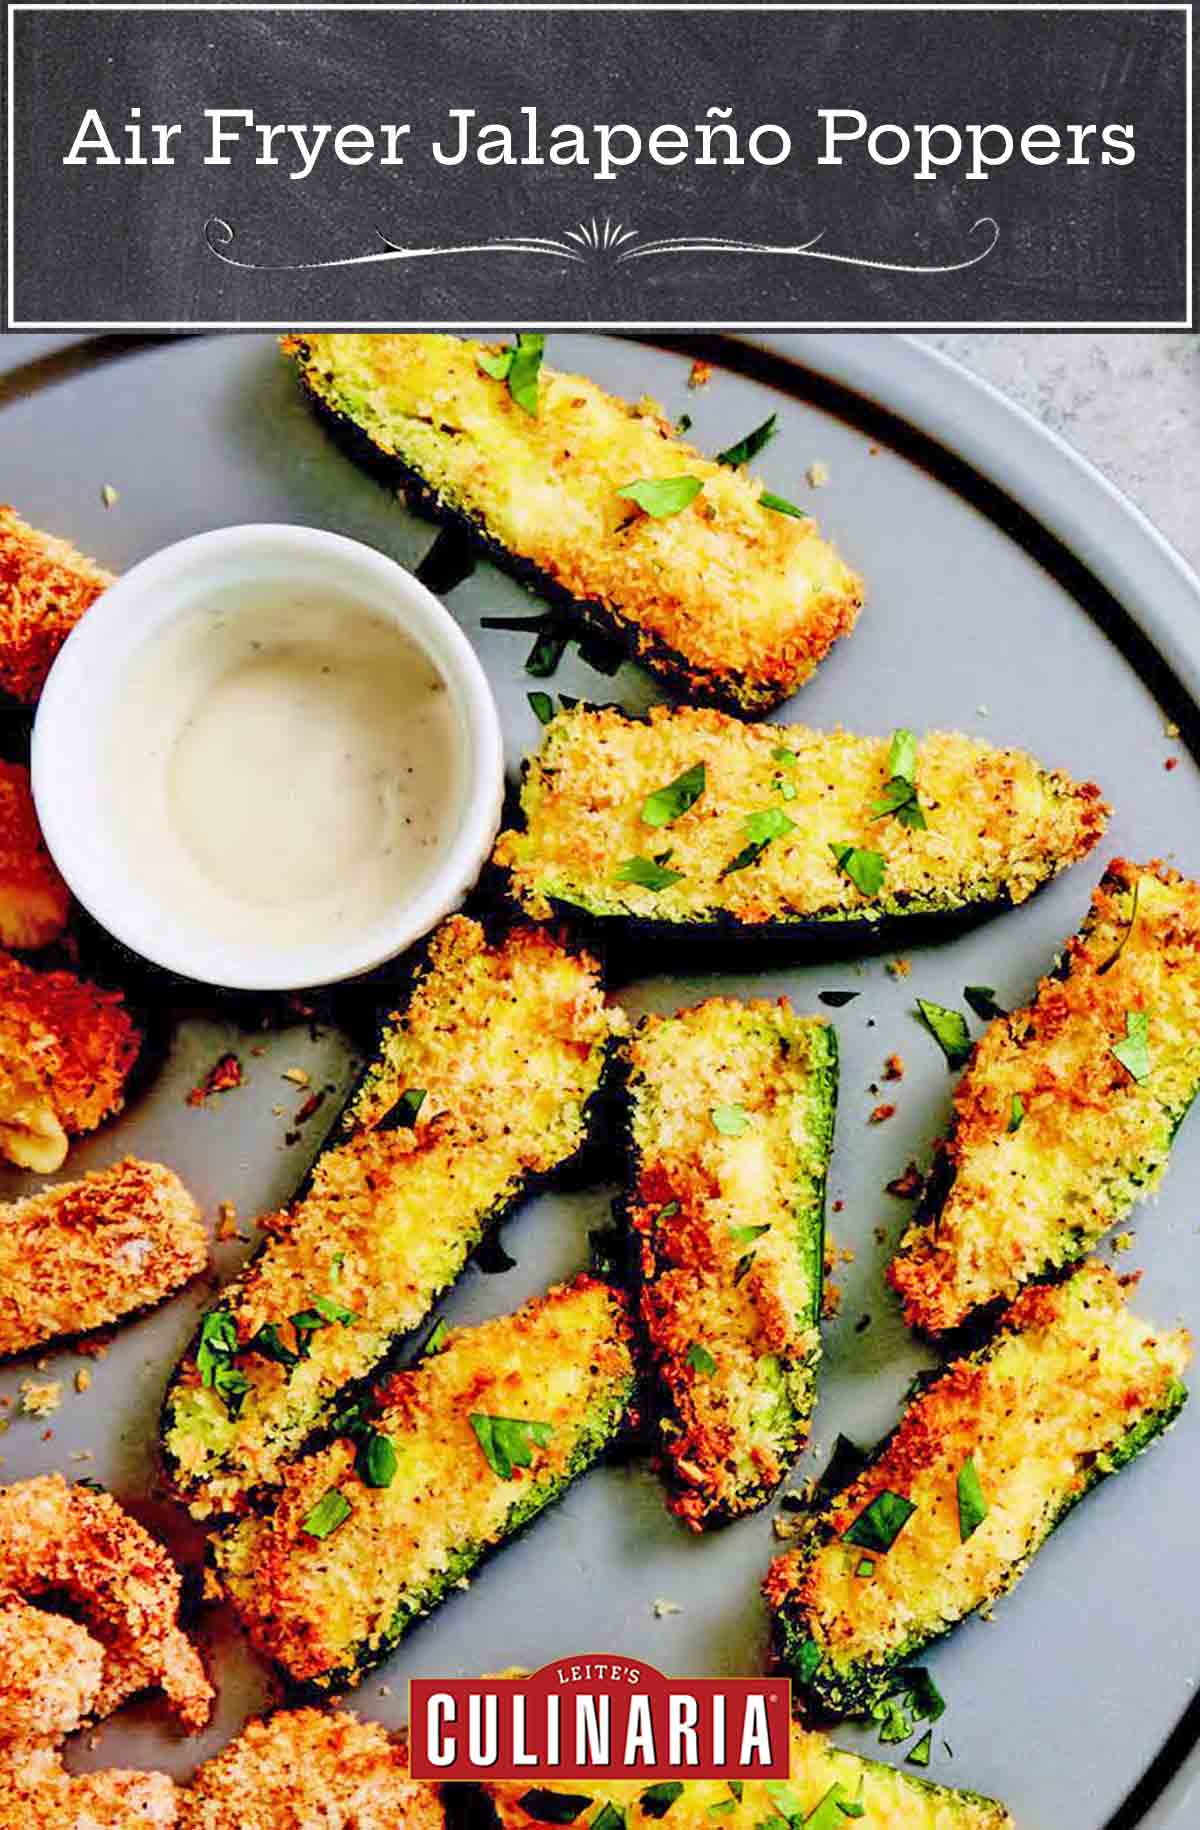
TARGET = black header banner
(677,166)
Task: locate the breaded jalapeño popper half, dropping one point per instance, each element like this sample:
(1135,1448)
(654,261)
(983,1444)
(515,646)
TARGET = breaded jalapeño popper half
(688,820)
(990,1456)
(730,1112)
(827,1789)
(723,598)
(445,1463)
(481,1087)
(1067,1111)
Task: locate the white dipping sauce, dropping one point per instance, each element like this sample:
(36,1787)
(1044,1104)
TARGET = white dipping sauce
(292,769)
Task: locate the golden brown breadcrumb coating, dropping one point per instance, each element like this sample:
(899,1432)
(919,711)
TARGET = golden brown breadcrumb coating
(77,1541)
(45,587)
(37,1793)
(34,900)
(50,1673)
(305,1768)
(66,1051)
(86,1253)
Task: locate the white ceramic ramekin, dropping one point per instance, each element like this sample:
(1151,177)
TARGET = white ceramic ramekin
(72,783)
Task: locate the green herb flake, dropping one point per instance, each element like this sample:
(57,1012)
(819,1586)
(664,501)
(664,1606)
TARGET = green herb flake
(1016,1115)
(749,447)
(760,829)
(730,1121)
(376,1461)
(787,757)
(701,1360)
(1134,1052)
(865,1568)
(807,1660)
(853,1807)
(508,1442)
(895,1723)
(646,873)
(865,869)
(524,369)
(683,424)
(879,1525)
(828,1814)
(746,1235)
(437,1336)
(546,1807)
(722,1808)
(779,505)
(334,1311)
(660,497)
(267,1342)
(899,798)
(972,1506)
(918,1754)
(836,999)
(609,1817)
(496,364)
(743,1268)
(404,1112)
(665,805)
(737,1788)
(657,1799)
(982,1000)
(668,1212)
(948,1029)
(924,1698)
(232,1388)
(542,706)
(780,1793)
(547,651)
(218,1342)
(330,1512)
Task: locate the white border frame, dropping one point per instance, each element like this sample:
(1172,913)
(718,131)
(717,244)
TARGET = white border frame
(612,6)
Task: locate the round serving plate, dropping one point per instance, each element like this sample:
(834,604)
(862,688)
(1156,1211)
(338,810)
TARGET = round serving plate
(1013,594)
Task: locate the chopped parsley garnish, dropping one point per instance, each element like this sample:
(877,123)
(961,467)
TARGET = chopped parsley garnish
(865,1567)
(865,869)
(609,1817)
(659,497)
(972,1505)
(788,758)
(722,1808)
(519,366)
(547,1807)
(743,1268)
(948,1029)
(648,874)
(542,706)
(760,828)
(508,1442)
(668,1212)
(666,804)
(1134,1052)
(918,1754)
(232,1388)
(683,424)
(925,1699)
(982,1000)
(879,1525)
(376,1460)
(218,1343)
(807,1661)
(1017,1113)
(836,999)
(701,1360)
(1117,951)
(657,1799)
(323,1314)
(547,651)
(899,797)
(404,1112)
(746,1235)
(780,1793)
(781,506)
(437,1335)
(750,446)
(730,1121)
(268,1343)
(495,364)
(331,1511)
(831,1811)
(737,1788)
(334,1311)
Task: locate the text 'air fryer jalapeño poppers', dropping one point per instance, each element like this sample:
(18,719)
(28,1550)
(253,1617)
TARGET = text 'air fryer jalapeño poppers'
(480,1088)
(729,1112)
(1067,1111)
(445,1462)
(988,1458)
(826,1789)
(689,820)
(728,594)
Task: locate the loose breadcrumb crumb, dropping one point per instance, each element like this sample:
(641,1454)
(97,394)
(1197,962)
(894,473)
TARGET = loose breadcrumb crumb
(700,373)
(40,1399)
(899,967)
(221,1076)
(818,475)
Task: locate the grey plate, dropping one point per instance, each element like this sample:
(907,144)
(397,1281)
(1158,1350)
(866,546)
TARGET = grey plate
(977,619)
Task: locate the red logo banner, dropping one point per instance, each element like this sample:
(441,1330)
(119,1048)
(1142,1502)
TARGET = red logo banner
(599,1717)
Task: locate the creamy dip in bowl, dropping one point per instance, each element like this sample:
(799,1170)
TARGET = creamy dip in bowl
(268,758)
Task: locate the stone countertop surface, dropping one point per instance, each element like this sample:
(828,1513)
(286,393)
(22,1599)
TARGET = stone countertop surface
(1130,401)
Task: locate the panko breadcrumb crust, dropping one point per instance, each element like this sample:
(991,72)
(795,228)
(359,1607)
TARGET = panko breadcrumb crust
(83,1254)
(34,901)
(998,823)
(727,602)
(730,1225)
(306,1767)
(38,1793)
(67,1048)
(45,587)
(1007,1201)
(78,1542)
(51,1670)
(1072,1385)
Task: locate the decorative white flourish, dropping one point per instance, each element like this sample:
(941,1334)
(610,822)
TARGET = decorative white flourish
(591,242)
